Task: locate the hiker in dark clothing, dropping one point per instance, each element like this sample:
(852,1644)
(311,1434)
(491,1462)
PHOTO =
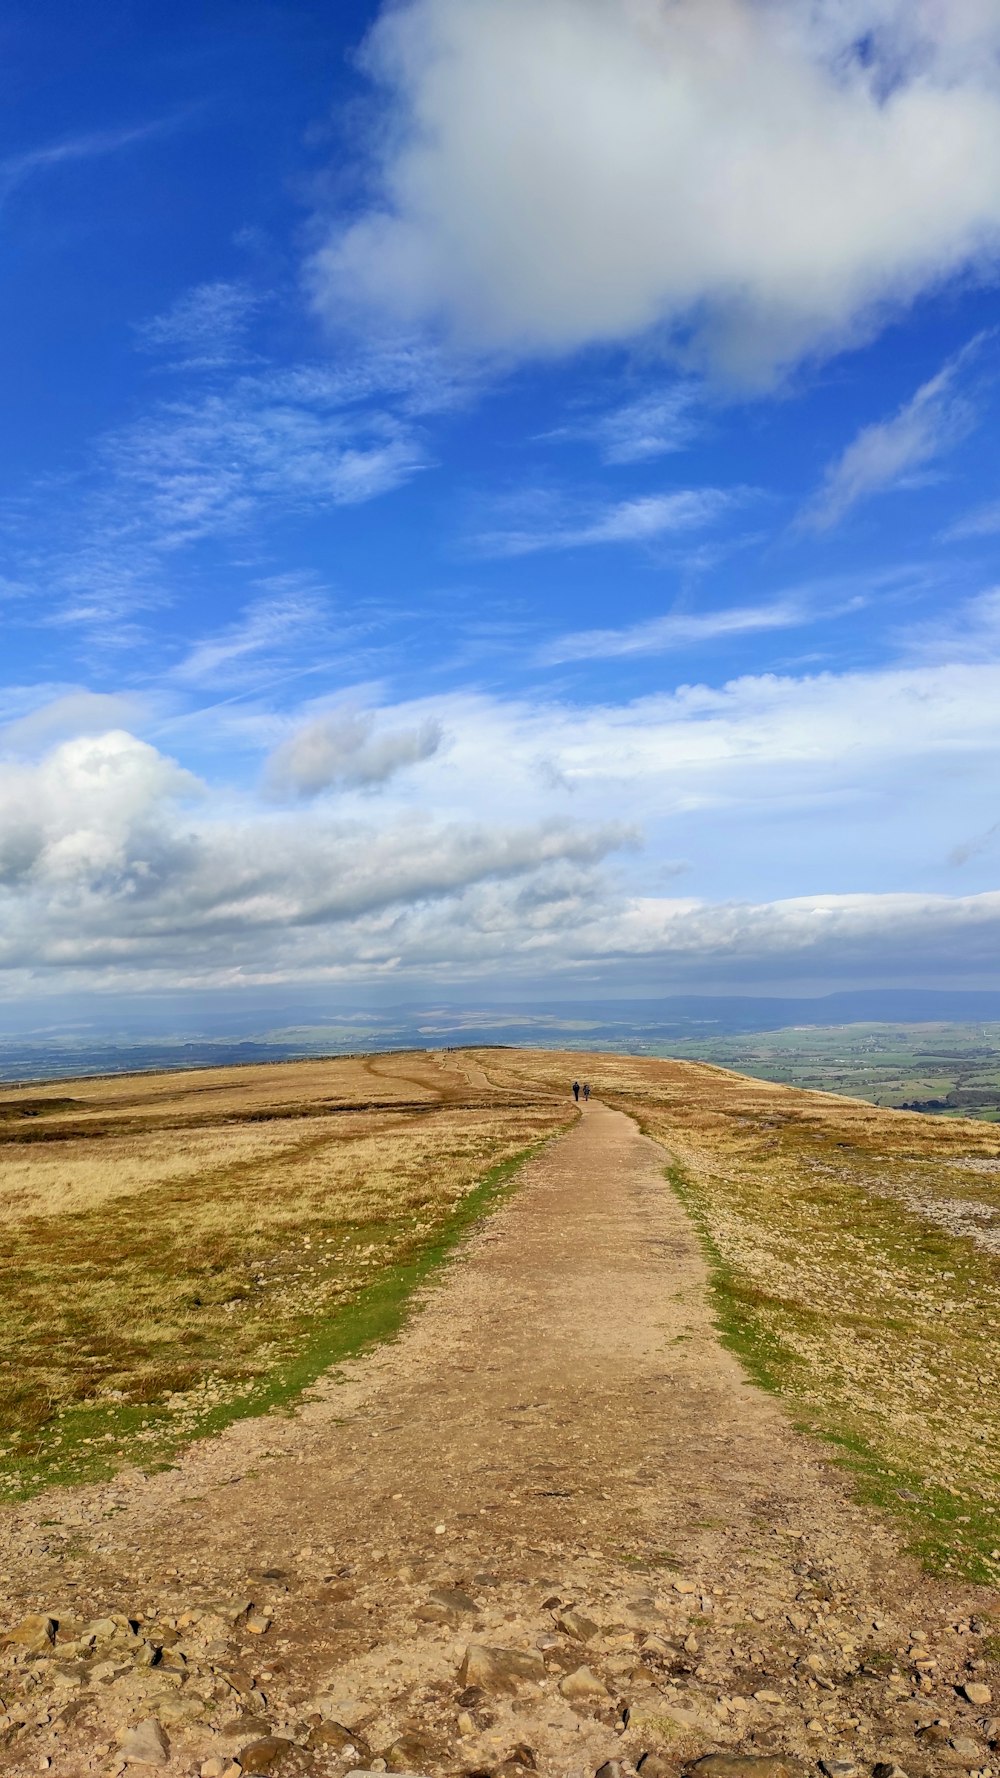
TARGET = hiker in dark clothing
(586,1089)
(576,1091)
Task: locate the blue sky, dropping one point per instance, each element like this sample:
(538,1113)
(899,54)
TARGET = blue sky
(500,496)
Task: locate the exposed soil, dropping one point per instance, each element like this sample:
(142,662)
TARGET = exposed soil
(557,1430)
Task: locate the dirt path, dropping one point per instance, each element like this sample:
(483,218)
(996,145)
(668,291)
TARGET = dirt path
(559,1429)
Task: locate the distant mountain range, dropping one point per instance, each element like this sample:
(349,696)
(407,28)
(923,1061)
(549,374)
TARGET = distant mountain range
(175,1035)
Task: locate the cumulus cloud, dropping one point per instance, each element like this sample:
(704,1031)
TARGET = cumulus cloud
(764,180)
(113,859)
(886,454)
(345,749)
(117,866)
(86,814)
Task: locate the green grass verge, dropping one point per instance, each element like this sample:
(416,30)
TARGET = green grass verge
(950,1534)
(374,1314)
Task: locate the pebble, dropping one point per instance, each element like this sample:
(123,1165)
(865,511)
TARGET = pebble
(454,1601)
(500,1669)
(146,1744)
(265,1756)
(976,1693)
(581,1684)
(575,1625)
(653,1765)
(36,1633)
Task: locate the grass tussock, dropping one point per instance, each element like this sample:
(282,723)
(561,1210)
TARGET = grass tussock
(854,1258)
(161,1281)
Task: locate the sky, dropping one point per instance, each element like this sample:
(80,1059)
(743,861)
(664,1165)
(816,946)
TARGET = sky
(499,497)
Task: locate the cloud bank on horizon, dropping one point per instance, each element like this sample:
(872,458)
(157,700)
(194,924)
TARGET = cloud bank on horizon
(524,517)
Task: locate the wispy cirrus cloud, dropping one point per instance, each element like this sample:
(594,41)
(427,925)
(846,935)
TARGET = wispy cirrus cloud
(205,467)
(968,632)
(218,463)
(887,453)
(288,614)
(653,425)
(982,521)
(818,601)
(17,169)
(204,329)
(645,519)
(677,630)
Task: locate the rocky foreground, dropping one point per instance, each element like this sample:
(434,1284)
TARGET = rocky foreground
(506,1674)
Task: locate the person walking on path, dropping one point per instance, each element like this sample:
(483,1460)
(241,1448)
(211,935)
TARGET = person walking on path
(576,1091)
(586,1089)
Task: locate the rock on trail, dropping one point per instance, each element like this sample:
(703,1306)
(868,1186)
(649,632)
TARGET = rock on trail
(551,1529)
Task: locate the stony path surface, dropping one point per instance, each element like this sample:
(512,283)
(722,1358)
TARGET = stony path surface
(551,1527)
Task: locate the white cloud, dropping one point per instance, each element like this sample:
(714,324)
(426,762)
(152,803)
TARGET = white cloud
(758,743)
(650,427)
(346,749)
(118,866)
(970,632)
(874,938)
(885,454)
(287,615)
(644,519)
(765,179)
(676,630)
(207,467)
(76,712)
(653,425)
(106,867)
(217,464)
(81,817)
(204,328)
(17,168)
(983,521)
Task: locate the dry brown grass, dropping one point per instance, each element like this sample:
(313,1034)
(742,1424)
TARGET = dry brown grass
(173,1250)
